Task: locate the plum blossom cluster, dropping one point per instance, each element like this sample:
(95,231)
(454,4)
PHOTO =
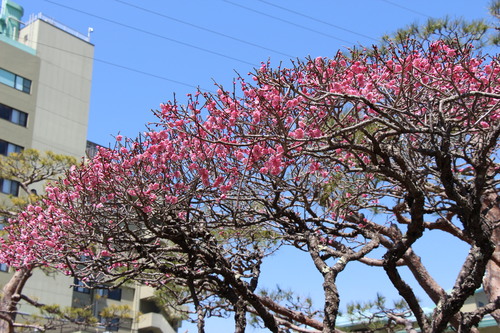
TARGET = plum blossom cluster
(301,156)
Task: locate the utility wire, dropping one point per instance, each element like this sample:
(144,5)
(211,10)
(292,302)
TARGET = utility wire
(202,28)
(151,33)
(130,69)
(320,21)
(289,22)
(150,74)
(405,8)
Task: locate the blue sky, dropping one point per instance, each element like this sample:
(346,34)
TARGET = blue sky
(145,51)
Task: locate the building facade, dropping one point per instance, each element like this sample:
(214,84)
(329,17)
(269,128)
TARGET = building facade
(45,83)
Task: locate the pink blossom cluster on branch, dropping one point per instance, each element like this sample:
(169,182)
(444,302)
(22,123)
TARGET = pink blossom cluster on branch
(299,156)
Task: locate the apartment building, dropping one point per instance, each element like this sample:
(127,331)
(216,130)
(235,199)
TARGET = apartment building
(45,83)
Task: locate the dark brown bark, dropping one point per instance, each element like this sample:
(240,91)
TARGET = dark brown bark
(244,292)
(408,295)
(403,321)
(428,284)
(200,312)
(331,306)
(240,319)
(473,318)
(292,315)
(415,231)
(11,295)
(491,280)
(467,282)
(332,301)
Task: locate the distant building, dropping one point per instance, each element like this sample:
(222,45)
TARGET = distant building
(479,299)
(45,82)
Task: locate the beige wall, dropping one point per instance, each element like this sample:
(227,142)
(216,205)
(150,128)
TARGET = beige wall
(64,84)
(37,287)
(26,65)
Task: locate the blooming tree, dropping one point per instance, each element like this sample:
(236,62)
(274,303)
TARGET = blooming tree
(335,157)
(30,169)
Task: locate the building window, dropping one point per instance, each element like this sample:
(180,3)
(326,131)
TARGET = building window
(8,186)
(7,147)
(79,287)
(15,81)
(4,267)
(115,293)
(13,115)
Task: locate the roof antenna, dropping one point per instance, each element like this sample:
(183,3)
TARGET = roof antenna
(89,31)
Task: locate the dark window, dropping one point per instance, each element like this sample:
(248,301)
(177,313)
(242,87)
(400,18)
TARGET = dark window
(13,115)
(114,293)
(5,112)
(7,147)
(8,186)
(26,85)
(79,287)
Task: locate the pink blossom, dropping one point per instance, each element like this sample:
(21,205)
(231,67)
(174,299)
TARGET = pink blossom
(50,243)
(297,134)
(484,124)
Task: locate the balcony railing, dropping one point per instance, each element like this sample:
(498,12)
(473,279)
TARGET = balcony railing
(40,16)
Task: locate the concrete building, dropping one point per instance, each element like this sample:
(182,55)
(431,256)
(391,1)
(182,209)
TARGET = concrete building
(45,83)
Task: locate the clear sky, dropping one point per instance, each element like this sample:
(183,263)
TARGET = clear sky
(145,51)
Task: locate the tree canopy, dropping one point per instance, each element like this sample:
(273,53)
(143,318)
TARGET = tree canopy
(480,33)
(334,157)
(31,169)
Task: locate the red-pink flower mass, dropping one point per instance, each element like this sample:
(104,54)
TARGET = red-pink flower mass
(300,156)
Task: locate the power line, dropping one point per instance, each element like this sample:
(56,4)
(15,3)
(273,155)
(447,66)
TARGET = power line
(318,20)
(288,22)
(405,8)
(150,74)
(131,69)
(151,33)
(202,28)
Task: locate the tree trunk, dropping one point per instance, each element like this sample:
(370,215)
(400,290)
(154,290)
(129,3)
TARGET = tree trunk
(332,301)
(491,280)
(240,319)
(11,294)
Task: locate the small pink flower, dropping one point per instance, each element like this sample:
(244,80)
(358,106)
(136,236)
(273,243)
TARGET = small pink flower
(297,134)
(484,124)
(50,243)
